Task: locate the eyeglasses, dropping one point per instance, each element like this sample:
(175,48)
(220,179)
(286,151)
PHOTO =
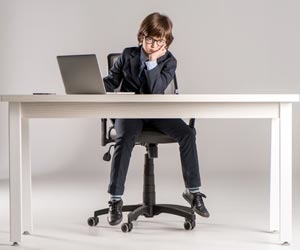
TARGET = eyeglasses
(151,40)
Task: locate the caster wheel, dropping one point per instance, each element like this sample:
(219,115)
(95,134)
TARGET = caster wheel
(189,224)
(126,227)
(93,221)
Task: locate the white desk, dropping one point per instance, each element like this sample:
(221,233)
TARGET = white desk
(275,107)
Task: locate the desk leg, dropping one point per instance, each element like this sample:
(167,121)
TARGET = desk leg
(15,172)
(26,171)
(285,173)
(274,177)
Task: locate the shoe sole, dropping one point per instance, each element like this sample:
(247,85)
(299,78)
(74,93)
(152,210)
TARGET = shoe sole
(116,222)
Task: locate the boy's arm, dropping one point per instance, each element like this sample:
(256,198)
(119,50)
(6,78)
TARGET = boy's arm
(159,77)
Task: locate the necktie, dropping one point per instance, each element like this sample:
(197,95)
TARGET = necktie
(142,67)
(143,80)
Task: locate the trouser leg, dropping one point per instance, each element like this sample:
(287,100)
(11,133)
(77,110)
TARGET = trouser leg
(128,131)
(186,137)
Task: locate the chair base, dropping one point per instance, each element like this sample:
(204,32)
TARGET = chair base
(149,211)
(149,208)
(152,210)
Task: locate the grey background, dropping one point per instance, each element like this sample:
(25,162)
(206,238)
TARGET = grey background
(230,47)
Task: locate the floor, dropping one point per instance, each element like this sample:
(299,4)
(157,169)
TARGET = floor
(62,203)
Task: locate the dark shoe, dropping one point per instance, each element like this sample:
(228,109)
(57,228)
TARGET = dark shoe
(114,216)
(196,202)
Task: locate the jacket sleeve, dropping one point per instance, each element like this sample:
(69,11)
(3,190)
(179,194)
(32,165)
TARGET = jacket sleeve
(115,75)
(159,77)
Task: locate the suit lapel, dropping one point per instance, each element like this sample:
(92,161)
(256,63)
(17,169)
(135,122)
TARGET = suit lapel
(135,62)
(134,65)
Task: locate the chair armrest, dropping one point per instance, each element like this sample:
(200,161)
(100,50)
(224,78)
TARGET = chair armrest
(105,135)
(192,123)
(103,132)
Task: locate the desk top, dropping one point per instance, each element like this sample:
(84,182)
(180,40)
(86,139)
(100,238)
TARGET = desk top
(115,98)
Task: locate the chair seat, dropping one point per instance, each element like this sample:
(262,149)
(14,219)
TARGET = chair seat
(149,136)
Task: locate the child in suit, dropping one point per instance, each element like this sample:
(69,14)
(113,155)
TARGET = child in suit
(148,69)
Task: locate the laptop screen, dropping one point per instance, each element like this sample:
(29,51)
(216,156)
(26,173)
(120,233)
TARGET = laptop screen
(81,74)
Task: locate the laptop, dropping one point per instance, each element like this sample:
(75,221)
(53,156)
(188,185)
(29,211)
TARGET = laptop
(81,74)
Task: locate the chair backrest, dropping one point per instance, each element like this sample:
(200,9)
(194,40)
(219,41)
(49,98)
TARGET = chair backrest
(171,89)
(111,59)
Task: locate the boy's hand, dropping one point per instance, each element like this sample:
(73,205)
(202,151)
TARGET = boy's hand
(157,54)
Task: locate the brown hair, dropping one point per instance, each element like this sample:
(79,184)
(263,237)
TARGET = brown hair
(156,25)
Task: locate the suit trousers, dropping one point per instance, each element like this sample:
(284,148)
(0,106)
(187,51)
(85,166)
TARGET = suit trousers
(128,131)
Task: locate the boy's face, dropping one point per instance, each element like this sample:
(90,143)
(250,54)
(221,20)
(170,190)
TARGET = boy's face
(153,44)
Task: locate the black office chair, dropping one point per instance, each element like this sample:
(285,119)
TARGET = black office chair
(150,139)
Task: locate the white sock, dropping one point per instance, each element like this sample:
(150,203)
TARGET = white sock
(114,197)
(194,190)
